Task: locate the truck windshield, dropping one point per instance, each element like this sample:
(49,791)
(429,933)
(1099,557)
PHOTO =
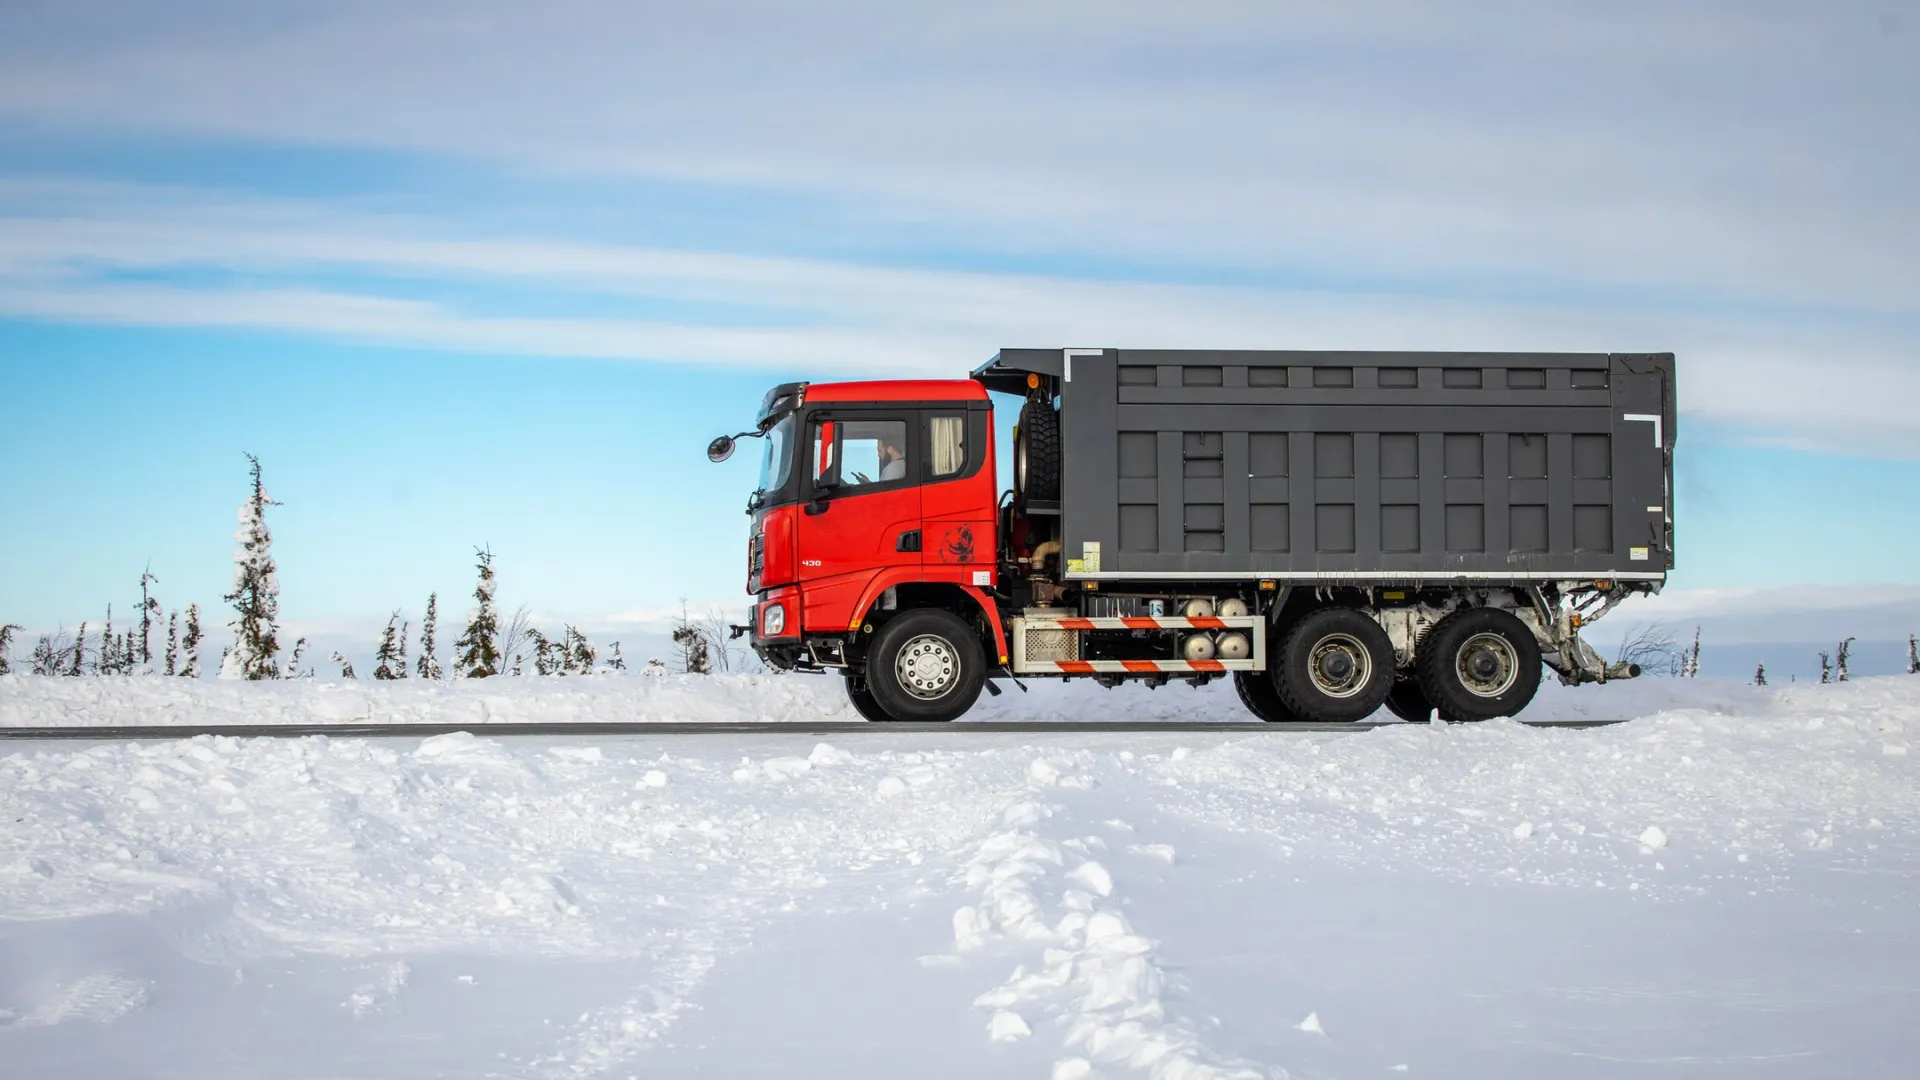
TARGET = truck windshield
(777,463)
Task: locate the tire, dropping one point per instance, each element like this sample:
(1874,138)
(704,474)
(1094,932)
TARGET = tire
(1320,643)
(1408,702)
(861,695)
(1261,699)
(1036,454)
(1479,664)
(926,666)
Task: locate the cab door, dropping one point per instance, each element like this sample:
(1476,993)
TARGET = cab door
(958,504)
(861,510)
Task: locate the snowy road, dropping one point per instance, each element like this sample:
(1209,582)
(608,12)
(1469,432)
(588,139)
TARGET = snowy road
(1724,887)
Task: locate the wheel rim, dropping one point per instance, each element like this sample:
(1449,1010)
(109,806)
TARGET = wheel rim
(1340,666)
(927,666)
(1487,665)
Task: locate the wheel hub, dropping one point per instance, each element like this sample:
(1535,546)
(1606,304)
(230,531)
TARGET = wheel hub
(927,666)
(1340,666)
(1488,665)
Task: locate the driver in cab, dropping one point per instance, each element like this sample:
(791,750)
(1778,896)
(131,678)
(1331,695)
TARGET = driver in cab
(893,464)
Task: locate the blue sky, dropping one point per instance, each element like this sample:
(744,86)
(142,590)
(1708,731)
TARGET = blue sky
(495,271)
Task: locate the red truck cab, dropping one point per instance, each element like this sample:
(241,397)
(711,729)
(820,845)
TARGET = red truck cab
(868,490)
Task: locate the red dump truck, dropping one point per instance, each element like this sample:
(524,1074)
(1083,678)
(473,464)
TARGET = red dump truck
(1335,531)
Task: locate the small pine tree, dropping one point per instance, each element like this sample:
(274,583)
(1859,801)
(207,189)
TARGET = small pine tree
(256,591)
(6,646)
(346,666)
(190,645)
(1692,670)
(479,647)
(293,662)
(149,614)
(1760,675)
(694,656)
(655,667)
(1826,668)
(429,662)
(388,658)
(1840,660)
(616,662)
(173,641)
(1913,655)
(545,653)
(104,661)
(74,667)
(580,654)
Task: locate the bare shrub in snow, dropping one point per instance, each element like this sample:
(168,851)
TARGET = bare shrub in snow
(479,646)
(256,591)
(51,652)
(513,638)
(1652,646)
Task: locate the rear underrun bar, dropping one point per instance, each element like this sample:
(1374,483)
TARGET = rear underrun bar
(158,732)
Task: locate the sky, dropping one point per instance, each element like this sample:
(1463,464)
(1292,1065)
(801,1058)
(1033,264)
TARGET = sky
(494,272)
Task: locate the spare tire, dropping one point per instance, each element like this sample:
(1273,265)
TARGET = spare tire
(1036,453)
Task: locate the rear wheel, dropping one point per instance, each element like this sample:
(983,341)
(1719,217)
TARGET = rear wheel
(926,666)
(1036,453)
(861,695)
(1335,666)
(1479,664)
(1408,702)
(1261,699)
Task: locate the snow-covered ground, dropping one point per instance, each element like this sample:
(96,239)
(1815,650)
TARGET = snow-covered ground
(1727,886)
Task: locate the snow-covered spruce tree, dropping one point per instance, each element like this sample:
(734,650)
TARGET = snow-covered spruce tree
(1760,675)
(478,647)
(429,662)
(190,645)
(6,646)
(293,662)
(104,661)
(694,656)
(1826,668)
(1913,655)
(543,649)
(256,591)
(173,641)
(616,662)
(1693,656)
(149,614)
(656,668)
(346,666)
(77,664)
(387,658)
(1840,660)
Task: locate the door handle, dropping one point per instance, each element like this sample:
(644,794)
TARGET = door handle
(818,506)
(909,541)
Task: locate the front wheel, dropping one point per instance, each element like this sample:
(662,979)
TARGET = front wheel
(1479,664)
(926,666)
(1335,666)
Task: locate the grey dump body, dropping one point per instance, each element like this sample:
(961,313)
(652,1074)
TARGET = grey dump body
(1363,467)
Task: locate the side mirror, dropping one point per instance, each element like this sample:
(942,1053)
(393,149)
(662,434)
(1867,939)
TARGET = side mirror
(720,449)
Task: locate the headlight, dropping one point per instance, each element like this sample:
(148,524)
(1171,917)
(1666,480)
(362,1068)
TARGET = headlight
(773,621)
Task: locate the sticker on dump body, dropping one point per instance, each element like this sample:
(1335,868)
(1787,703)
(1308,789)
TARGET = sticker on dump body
(1090,556)
(1638,554)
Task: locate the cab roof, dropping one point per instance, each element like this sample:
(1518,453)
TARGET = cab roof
(898,390)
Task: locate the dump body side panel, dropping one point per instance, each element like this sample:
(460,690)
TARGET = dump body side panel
(1370,466)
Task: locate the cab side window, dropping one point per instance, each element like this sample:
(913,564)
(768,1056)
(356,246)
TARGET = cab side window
(853,453)
(947,443)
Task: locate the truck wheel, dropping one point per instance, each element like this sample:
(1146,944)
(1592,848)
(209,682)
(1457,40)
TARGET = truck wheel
(1336,666)
(1036,453)
(1261,699)
(1408,702)
(926,666)
(1479,664)
(861,695)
